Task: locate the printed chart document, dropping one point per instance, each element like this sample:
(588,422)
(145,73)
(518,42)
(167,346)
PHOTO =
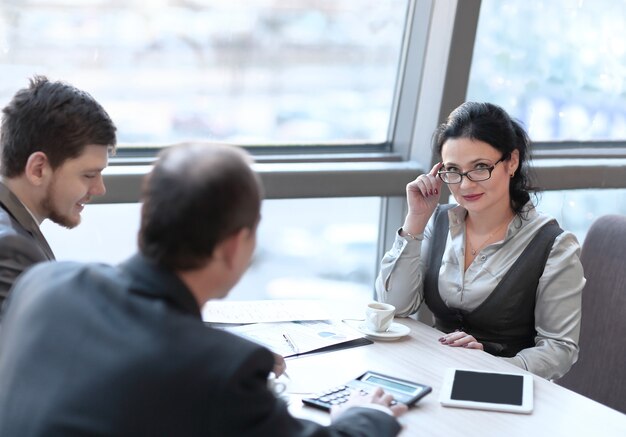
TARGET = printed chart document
(295,338)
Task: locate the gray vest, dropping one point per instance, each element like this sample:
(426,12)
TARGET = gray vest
(505,322)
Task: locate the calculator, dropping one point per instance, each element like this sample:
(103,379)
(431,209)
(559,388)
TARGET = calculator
(403,391)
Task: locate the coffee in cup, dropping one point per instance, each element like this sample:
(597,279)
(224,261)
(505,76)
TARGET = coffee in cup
(378,316)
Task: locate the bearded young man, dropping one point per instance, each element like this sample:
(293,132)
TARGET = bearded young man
(55,141)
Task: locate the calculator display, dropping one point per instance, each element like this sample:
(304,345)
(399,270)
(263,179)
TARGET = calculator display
(392,385)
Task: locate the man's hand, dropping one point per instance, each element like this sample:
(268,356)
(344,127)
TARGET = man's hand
(377,397)
(279,365)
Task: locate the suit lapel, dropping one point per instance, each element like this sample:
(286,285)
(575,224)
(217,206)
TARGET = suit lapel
(16,209)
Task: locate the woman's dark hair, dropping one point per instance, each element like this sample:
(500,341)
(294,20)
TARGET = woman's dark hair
(491,124)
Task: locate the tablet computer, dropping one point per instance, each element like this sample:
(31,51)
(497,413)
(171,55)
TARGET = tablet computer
(487,390)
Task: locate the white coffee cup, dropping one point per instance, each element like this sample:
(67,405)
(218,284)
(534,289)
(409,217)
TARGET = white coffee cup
(275,386)
(378,316)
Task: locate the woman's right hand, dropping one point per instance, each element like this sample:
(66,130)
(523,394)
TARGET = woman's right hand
(422,197)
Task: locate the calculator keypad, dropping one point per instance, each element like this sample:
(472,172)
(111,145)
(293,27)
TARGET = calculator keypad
(334,396)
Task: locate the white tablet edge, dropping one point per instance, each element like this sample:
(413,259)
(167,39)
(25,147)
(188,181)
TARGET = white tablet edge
(527,394)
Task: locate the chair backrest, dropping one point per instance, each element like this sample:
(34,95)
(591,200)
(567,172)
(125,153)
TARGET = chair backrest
(600,373)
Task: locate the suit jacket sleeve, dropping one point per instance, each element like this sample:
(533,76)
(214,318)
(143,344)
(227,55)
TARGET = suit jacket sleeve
(17,253)
(253,410)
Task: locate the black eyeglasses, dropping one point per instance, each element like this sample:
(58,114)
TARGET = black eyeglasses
(476,175)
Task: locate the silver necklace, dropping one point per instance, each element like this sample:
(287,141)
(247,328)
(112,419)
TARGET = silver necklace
(484,242)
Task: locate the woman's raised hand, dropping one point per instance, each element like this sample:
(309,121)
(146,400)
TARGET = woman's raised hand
(422,197)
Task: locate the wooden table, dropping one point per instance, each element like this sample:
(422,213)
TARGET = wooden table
(421,358)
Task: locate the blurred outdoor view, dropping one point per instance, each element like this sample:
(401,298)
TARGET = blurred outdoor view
(559,66)
(310,71)
(258,72)
(240,71)
(306,248)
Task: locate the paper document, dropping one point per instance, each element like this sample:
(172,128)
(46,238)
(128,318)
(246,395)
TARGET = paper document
(256,311)
(299,337)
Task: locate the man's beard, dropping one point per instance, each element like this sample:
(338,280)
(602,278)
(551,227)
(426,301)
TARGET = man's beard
(53,214)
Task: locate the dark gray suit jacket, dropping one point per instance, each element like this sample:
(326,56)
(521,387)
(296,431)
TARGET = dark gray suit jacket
(90,350)
(21,242)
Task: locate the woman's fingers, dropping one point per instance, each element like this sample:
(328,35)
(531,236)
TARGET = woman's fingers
(461,339)
(452,337)
(422,198)
(435,169)
(426,184)
(475,345)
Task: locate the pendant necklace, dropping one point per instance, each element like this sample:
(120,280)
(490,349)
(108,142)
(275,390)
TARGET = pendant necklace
(484,242)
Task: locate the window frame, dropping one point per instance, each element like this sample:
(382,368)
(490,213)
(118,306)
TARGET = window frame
(432,80)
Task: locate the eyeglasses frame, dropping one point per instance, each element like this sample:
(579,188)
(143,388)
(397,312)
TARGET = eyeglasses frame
(466,174)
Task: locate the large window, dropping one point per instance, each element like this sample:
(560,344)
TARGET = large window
(559,66)
(240,71)
(306,248)
(324,72)
(310,73)
(576,210)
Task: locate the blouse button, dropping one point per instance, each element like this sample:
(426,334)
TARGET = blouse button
(483,257)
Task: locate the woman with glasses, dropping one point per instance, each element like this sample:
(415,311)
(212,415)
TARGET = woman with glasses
(497,274)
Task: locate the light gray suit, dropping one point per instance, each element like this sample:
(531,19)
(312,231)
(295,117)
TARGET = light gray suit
(21,242)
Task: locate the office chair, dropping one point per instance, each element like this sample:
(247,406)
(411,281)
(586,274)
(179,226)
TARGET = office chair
(600,373)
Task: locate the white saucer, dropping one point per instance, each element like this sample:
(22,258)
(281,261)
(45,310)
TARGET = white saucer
(396,330)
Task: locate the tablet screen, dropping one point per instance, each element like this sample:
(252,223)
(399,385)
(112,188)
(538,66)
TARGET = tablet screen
(495,388)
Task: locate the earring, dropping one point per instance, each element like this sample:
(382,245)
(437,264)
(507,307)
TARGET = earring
(512,174)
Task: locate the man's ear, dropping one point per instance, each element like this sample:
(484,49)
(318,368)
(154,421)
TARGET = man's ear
(230,247)
(37,168)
